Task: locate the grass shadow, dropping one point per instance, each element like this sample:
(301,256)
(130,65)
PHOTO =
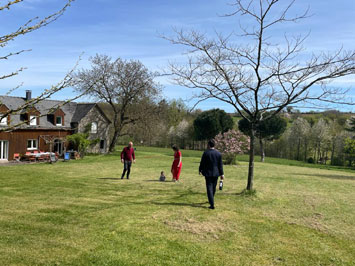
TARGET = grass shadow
(156,180)
(194,205)
(330,176)
(109,178)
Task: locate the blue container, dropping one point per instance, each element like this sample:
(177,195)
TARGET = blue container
(67,156)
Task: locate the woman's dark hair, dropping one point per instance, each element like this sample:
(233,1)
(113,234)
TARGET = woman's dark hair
(211,143)
(175,147)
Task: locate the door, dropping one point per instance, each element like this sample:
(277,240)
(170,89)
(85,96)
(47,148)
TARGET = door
(4,150)
(102,146)
(58,146)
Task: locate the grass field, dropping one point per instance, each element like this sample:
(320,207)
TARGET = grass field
(81,213)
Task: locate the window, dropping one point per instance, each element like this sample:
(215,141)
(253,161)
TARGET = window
(58,121)
(33,120)
(32,144)
(3,121)
(93,127)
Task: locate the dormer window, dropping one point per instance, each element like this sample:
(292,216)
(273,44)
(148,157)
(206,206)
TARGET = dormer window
(56,117)
(33,120)
(31,115)
(93,127)
(3,121)
(58,121)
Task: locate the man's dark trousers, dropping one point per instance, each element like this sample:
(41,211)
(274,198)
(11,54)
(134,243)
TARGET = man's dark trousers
(211,184)
(126,167)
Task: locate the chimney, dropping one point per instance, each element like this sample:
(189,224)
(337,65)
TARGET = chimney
(28,95)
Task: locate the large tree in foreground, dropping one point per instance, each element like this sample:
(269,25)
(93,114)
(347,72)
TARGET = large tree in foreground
(256,73)
(121,85)
(20,30)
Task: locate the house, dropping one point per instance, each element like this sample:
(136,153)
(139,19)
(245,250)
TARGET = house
(44,126)
(90,118)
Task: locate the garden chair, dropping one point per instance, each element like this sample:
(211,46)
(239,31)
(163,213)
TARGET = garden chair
(30,156)
(17,157)
(41,157)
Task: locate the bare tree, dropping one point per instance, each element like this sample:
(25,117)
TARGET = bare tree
(258,76)
(147,124)
(300,132)
(321,138)
(30,26)
(120,84)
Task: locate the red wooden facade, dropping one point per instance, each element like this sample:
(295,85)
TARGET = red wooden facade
(45,126)
(18,140)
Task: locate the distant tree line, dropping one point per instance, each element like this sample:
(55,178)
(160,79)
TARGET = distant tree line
(323,138)
(171,122)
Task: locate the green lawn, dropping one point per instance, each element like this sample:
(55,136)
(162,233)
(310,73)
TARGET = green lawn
(81,213)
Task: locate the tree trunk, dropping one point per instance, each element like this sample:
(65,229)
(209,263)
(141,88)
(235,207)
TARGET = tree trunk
(251,159)
(117,129)
(332,153)
(298,149)
(319,154)
(114,140)
(262,151)
(305,150)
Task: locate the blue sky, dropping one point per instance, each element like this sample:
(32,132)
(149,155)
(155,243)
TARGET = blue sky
(131,28)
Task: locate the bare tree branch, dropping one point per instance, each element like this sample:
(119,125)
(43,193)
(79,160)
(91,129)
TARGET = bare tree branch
(30,26)
(118,83)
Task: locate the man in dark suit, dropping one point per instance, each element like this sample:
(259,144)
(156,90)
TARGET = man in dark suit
(211,167)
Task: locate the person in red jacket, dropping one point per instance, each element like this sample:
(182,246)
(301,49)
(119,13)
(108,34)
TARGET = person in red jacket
(177,164)
(127,156)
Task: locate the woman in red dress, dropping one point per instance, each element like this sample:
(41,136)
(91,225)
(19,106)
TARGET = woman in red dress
(177,163)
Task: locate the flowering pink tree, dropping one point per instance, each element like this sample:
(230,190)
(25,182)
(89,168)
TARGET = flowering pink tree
(232,143)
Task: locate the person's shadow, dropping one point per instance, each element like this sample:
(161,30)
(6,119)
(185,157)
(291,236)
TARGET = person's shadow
(109,178)
(157,180)
(194,205)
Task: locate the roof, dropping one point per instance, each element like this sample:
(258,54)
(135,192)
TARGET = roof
(81,110)
(106,109)
(44,107)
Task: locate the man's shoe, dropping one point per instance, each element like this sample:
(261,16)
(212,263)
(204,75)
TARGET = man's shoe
(122,177)
(211,207)
(127,177)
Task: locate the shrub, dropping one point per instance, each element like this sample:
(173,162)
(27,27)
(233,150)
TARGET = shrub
(81,142)
(338,161)
(310,160)
(229,158)
(230,144)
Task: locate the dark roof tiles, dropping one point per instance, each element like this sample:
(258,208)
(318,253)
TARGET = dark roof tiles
(74,112)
